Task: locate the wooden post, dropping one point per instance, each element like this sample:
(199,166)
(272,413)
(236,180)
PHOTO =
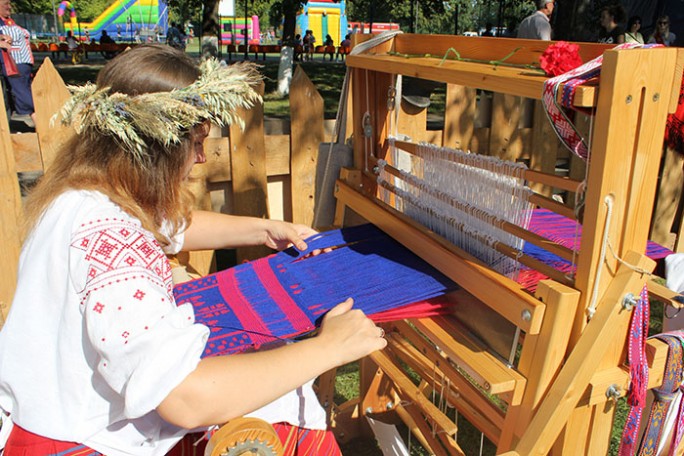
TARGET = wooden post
(506,114)
(459,116)
(545,145)
(306,114)
(50,94)
(248,169)
(10,208)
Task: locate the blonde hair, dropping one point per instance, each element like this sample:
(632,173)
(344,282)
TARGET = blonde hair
(153,194)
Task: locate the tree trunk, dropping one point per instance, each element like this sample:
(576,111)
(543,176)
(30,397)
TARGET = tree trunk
(210,29)
(570,21)
(285,70)
(287,52)
(289,25)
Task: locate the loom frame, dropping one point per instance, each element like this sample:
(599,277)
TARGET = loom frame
(556,398)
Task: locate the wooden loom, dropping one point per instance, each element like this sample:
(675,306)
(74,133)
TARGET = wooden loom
(558,395)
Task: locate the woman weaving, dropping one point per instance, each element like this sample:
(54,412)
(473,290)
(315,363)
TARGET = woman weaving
(95,353)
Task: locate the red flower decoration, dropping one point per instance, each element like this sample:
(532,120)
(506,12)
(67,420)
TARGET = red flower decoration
(560,58)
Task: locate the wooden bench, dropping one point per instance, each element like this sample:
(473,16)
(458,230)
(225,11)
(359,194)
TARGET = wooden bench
(255,49)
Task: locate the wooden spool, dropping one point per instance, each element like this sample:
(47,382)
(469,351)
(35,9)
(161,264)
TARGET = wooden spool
(245,437)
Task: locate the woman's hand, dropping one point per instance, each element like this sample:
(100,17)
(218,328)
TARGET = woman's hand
(281,235)
(350,334)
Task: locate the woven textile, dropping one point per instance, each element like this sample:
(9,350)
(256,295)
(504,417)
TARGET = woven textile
(568,233)
(664,398)
(674,133)
(638,373)
(561,114)
(285,295)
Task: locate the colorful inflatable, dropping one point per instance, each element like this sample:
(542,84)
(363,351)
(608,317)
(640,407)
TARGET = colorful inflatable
(233,30)
(72,13)
(126,20)
(323,17)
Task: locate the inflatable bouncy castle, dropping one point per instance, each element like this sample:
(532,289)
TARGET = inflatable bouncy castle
(323,17)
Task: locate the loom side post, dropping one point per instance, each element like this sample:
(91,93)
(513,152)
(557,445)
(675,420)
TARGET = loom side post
(560,401)
(627,145)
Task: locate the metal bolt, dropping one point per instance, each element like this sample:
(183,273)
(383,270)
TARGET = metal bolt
(526,315)
(389,405)
(629,99)
(629,301)
(369,410)
(613,392)
(656,96)
(376,170)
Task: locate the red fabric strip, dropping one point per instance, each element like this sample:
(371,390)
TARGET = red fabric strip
(298,319)
(228,286)
(24,443)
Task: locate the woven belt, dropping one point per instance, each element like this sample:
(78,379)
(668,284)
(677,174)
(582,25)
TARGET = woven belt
(638,370)
(664,398)
(561,114)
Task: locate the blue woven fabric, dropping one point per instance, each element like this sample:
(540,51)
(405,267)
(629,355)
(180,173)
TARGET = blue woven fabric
(285,295)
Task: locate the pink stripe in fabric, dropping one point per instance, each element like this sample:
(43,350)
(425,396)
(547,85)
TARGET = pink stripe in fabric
(281,297)
(241,306)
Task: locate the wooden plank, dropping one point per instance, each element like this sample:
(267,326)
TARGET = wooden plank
(484,368)
(493,289)
(411,393)
(544,150)
(248,168)
(306,113)
(512,81)
(199,263)
(668,199)
(627,144)
(459,116)
(415,423)
(531,175)
(217,151)
(542,355)
(412,122)
(506,114)
(11,213)
(50,94)
(471,403)
(485,48)
(26,152)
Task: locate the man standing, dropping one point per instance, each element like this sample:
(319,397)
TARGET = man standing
(536,26)
(16,41)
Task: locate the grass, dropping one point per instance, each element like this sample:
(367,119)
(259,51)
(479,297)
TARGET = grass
(326,76)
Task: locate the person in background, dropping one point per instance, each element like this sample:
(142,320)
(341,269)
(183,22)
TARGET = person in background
(18,45)
(71,41)
(662,34)
(106,39)
(298,48)
(632,35)
(611,32)
(537,26)
(488,29)
(329,47)
(345,47)
(174,37)
(97,357)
